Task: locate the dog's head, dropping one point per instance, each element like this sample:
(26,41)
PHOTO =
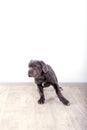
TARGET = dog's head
(36,68)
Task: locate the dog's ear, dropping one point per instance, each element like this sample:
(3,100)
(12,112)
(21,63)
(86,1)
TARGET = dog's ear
(29,63)
(44,67)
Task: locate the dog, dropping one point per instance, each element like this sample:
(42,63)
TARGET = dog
(44,76)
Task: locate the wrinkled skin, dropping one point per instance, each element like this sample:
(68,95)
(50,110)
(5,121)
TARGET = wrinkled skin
(44,77)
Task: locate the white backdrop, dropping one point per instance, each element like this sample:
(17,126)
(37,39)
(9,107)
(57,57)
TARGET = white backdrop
(53,31)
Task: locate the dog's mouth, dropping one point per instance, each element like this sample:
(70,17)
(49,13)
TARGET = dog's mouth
(32,73)
(29,75)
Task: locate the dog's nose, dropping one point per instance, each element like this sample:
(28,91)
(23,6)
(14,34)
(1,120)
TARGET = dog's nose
(29,74)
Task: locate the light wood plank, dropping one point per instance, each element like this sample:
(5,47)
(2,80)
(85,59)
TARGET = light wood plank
(19,109)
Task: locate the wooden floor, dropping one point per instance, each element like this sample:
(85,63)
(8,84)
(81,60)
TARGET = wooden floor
(19,109)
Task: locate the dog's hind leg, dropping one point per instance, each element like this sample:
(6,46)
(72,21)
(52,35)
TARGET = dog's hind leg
(60,96)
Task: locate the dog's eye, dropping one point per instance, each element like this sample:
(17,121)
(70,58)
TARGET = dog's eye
(31,65)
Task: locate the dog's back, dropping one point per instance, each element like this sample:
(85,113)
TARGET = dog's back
(50,75)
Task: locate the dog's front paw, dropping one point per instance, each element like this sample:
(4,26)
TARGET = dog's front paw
(41,101)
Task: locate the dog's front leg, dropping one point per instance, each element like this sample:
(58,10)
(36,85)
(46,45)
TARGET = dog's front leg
(42,98)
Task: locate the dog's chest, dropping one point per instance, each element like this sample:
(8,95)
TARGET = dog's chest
(40,80)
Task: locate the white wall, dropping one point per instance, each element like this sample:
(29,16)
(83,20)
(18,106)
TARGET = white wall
(53,31)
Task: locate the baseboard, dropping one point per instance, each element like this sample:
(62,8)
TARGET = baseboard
(32,83)
(73,83)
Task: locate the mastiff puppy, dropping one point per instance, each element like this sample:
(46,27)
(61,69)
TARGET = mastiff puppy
(44,76)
